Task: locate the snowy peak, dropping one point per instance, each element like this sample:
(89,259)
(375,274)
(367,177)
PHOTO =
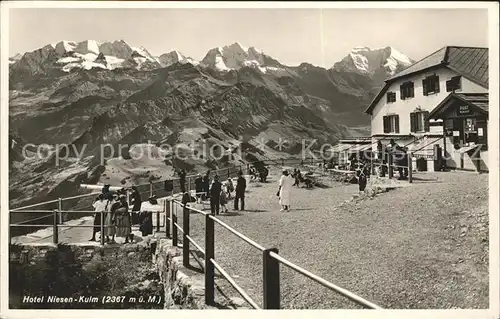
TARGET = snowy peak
(173,57)
(236,56)
(364,60)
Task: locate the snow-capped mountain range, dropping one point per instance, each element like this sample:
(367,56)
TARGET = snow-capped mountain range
(88,54)
(364,60)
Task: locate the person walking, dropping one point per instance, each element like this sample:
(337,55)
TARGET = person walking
(224,199)
(100,206)
(285,189)
(229,187)
(215,191)
(241,185)
(182,180)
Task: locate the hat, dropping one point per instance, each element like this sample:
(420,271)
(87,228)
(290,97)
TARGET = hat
(107,185)
(152,197)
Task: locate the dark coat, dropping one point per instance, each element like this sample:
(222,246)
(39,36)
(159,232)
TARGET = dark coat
(241,185)
(198,182)
(215,189)
(136,201)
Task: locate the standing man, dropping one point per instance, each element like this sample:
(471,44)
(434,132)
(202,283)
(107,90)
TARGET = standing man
(215,191)
(241,186)
(182,180)
(206,183)
(198,184)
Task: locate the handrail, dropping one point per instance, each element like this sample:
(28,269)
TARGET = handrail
(270,271)
(234,284)
(324,282)
(237,233)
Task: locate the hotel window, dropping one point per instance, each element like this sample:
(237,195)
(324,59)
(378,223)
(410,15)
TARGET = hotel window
(407,90)
(430,84)
(391,124)
(419,121)
(454,84)
(391,97)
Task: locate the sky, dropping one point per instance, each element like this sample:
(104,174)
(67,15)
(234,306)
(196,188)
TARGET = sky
(292,36)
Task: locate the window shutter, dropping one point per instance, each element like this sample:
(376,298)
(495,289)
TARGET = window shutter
(413,122)
(424,86)
(388,96)
(396,120)
(412,90)
(402,92)
(386,124)
(426,121)
(436,85)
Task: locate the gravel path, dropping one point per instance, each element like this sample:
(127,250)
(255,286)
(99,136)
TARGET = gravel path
(423,246)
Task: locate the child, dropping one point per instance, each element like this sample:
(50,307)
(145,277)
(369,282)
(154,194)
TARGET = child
(223,199)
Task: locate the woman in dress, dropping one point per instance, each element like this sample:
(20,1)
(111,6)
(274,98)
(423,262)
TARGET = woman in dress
(146,215)
(122,218)
(224,198)
(110,229)
(285,188)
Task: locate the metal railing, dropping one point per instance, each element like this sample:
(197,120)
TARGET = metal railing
(270,263)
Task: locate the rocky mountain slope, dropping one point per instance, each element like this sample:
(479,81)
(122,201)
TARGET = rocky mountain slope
(86,95)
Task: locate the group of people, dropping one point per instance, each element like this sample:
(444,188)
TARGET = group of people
(219,193)
(399,156)
(299,178)
(113,210)
(259,173)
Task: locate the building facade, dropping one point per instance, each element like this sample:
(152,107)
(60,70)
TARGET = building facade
(406,110)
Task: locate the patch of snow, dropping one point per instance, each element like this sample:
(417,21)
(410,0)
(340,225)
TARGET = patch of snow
(67,60)
(93,46)
(219,64)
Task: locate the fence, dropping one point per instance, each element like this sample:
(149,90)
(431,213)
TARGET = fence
(81,205)
(271,260)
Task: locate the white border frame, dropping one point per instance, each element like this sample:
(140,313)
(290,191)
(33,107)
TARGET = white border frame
(493,312)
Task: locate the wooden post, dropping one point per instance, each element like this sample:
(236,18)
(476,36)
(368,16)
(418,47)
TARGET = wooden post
(59,208)
(174,227)
(209,255)
(410,168)
(271,280)
(55,234)
(389,163)
(167,210)
(102,229)
(150,189)
(185,240)
(157,222)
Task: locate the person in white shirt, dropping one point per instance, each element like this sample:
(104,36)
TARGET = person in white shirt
(285,189)
(100,206)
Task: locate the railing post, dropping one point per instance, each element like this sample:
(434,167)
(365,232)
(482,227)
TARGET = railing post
(389,163)
(150,189)
(410,168)
(55,234)
(167,210)
(59,208)
(157,221)
(102,228)
(174,221)
(271,280)
(209,267)
(185,240)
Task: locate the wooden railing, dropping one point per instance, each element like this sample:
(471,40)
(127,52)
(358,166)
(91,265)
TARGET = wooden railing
(271,260)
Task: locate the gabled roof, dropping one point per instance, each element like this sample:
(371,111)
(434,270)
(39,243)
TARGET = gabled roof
(471,63)
(477,101)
